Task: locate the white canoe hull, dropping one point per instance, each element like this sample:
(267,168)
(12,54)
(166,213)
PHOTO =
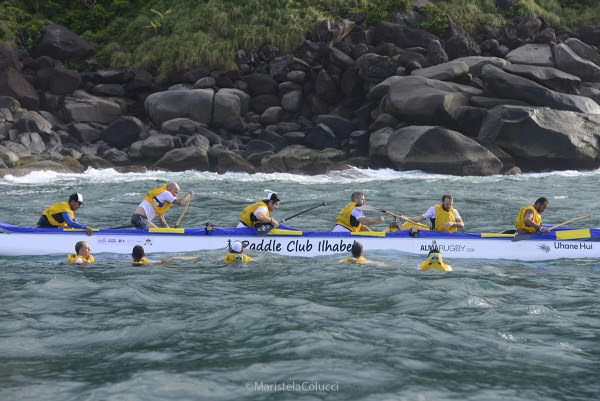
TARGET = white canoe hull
(20,241)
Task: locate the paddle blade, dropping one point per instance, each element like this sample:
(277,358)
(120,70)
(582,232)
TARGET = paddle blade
(262,229)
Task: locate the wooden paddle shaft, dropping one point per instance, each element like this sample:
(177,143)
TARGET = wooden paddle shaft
(569,221)
(183,213)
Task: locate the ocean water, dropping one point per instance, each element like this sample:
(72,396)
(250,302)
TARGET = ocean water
(288,328)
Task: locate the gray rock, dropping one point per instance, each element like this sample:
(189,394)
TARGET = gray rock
(60,43)
(84,132)
(272,115)
(199,141)
(439,150)
(549,77)
(180,126)
(32,141)
(568,61)
(31,121)
(449,71)
(320,137)
(542,138)
(229,161)
(502,84)
(82,107)
(205,83)
(226,105)
(192,158)
(419,100)
(195,104)
(8,157)
(584,51)
(109,90)
(533,54)
(155,146)
(115,156)
(14,84)
(292,101)
(122,132)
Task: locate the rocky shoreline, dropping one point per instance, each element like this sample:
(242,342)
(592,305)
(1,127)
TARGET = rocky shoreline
(521,98)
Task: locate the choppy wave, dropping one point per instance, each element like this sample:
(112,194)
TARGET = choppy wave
(350,175)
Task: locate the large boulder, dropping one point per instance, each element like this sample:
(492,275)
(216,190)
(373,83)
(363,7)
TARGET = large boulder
(375,68)
(569,61)
(449,71)
(195,104)
(226,106)
(439,150)
(122,132)
(230,161)
(549,77)
(181,159)
(83,107)
(31,121)
(419,100)
(499,83)
(60,43)
(541,138)
(402,36)
(155,146)
(532,54)
(14,84)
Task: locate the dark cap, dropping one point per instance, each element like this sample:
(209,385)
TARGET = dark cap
(77,197)
(272,197)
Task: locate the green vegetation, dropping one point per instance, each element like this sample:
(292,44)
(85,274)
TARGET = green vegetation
(165,36)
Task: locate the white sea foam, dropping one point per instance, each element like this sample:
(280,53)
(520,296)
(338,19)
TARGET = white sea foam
(350,176)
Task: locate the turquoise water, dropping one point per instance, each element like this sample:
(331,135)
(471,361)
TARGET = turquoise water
(285,328)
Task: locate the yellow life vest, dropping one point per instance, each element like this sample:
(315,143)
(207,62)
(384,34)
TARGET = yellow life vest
(237,257)
(435,261)
(344,218)
(520,220)
(58,208)
(247,213)
(159,208)
(360,260)
(72,258)
(142,262)
(442,217)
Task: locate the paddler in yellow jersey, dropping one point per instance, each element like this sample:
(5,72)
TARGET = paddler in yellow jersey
(443,216)
(352,219)
(357,254)
(62,214)
(529,219)
(82,254)
(156,202)
(259,212)
(236,254)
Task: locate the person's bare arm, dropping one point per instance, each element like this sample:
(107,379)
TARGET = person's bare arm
(181,201)
(529,223)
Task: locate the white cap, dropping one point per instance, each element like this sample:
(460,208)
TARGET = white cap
(236,246)
(77,197)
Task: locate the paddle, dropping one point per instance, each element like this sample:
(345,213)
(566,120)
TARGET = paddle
(375,209)
(264,228)
(183,213)
(526,236)
(304,211)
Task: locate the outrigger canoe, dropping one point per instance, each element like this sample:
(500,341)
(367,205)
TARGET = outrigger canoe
(563,243)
